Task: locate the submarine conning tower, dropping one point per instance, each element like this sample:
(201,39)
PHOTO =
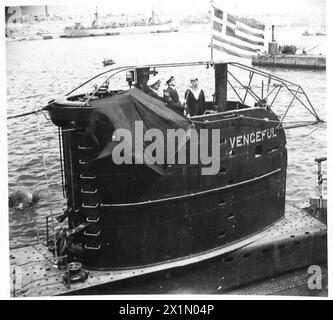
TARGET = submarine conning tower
(130,215)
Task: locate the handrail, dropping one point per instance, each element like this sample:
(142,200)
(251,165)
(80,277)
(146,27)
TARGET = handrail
(159,65)
(298,90)
(263,73)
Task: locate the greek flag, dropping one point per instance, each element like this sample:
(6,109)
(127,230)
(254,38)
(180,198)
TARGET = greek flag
(237,36)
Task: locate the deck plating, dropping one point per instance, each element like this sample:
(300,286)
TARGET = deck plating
(298,240)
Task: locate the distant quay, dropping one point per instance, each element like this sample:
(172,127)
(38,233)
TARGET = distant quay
(35,37)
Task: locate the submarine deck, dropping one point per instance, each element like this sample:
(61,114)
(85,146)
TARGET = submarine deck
(297,241)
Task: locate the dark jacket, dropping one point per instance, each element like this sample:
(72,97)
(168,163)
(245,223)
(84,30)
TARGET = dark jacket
(195,107)
(171,98)
(153,94)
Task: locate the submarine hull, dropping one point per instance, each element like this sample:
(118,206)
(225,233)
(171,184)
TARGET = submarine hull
(138,217)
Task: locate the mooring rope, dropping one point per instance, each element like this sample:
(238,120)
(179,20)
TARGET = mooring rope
(312,131)
(27,113)
(293,124)
(301,125)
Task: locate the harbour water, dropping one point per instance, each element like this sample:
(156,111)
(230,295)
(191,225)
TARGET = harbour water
(38,71)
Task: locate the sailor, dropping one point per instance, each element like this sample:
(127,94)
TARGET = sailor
(153,86)
(194,98)
(171,96)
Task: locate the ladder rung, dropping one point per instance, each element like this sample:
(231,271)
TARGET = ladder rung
(93,220)
(89,192)
(86,147)
(89,206)
(92,248)
(92,234)
(87,177)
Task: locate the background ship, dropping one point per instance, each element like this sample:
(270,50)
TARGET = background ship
(150,26)
(286,56)
(321,31)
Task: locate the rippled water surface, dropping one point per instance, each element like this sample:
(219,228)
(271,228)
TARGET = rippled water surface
(38,71)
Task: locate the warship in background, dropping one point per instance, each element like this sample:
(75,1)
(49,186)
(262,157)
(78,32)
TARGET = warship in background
(152,25)
(285,56)
(321,31)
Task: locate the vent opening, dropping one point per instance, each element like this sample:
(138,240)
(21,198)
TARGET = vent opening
(273,149)
(231,216)
(258,151)
(221,202)
(222,234)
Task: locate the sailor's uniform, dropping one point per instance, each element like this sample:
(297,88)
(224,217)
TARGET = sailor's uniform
(195,102)
(153,94)
(171,97)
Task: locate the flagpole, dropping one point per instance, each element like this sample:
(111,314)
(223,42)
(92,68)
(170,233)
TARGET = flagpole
(211,31)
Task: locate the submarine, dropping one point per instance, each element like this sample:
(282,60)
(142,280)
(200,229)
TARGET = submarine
(142,223)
